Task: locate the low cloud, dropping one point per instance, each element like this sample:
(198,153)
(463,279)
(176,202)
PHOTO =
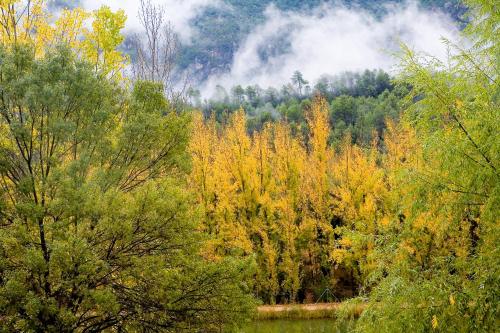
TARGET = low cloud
(329,39)
(332,39)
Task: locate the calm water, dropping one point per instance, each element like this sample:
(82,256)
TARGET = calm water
(296,326)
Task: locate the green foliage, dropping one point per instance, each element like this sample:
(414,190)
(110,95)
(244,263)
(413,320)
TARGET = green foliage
(444,268)
(96,226)
(362,117)
(360,104)
(99,221)
(415,219)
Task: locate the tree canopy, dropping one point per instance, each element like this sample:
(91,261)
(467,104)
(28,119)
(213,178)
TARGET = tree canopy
(125,208)
(96,226)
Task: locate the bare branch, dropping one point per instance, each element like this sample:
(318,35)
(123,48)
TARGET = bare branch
(157,50)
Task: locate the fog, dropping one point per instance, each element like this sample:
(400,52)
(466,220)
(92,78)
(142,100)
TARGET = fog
(326,40)
(332,40)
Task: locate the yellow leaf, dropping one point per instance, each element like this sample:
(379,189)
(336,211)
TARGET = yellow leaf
(434,322)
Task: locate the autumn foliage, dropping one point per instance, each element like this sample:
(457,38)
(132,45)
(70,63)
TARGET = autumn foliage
(123,211)
(293,202)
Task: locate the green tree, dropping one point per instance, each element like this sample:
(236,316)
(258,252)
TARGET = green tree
(96,226)
(444,268)
(238,94)
(299,81)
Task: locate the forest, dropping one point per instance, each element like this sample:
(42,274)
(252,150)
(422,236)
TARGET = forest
(129,206)
(359,103)
(220,30)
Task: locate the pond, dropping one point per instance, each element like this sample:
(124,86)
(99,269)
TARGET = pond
(296,326)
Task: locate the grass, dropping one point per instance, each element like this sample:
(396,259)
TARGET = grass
(309,311)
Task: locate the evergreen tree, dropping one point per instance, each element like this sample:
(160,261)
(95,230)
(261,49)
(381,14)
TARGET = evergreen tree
(299,81)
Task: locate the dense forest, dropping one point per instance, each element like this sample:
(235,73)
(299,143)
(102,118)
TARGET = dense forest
(126,206)
(359,103)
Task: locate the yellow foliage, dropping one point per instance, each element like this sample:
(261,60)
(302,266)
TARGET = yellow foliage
(300,208)
(30,23)
(100,44)
(263,192)
(434,322)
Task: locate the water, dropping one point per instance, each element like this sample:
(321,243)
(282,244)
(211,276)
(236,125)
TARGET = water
(296,326)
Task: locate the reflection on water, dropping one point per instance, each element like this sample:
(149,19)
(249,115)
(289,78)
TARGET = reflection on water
(296,326)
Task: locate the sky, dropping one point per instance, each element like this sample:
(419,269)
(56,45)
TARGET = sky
(326,40)
(178,12)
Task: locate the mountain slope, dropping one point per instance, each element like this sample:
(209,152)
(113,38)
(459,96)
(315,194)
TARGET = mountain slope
(220,30)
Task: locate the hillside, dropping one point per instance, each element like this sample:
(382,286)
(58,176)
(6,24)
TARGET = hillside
(221,30)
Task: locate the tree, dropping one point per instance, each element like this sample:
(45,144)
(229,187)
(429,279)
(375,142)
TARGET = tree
(442,271)
(238,94)
(344,109)
(271,96)
(362,211)
(194,96)
(252,94)
(315,228)
(157,50)
(276,197)
(28,22)
(299,81)
(96,229)
(101,43)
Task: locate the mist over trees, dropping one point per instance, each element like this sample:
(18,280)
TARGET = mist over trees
(221,30)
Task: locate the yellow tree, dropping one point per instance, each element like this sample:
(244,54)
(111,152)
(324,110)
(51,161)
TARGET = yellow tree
(215,189)
(227,187)
(100,44)
(317,210)
(249,187)
(264,227)
(24,22)
(362,206)
(288,167)
(29,22)
(237,181)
